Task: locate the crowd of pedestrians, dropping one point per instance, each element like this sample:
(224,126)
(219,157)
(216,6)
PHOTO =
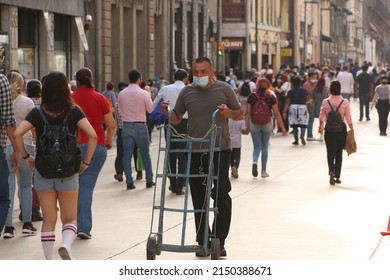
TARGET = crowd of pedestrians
(260,103)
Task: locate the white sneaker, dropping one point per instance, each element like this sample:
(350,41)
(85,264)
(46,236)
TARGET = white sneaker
(321,139)
(264,174)
(310,139)
(64,252)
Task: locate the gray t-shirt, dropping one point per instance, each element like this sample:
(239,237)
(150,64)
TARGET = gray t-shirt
(383,92)
(200,105)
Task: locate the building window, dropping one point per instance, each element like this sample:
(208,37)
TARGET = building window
(62,29)
(27,40)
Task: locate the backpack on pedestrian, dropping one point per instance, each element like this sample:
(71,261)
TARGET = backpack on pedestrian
(245,89)
(334,121)
(58,155)
(260,113)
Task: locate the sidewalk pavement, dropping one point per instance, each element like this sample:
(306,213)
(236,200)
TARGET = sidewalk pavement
(292,215)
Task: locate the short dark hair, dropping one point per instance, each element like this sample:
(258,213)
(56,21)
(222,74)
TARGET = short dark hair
(134,75)
(335,87)
(180,74)
(203,59)
(34,88)
(110,86)
(296,81)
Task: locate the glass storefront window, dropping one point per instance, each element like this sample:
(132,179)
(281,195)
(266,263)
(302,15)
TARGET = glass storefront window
(26,62)
(60,61)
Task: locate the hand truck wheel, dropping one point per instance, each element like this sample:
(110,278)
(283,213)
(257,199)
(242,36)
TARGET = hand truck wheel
(151,247)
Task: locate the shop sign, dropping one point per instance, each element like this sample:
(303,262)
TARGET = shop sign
(286,52)
(235,44)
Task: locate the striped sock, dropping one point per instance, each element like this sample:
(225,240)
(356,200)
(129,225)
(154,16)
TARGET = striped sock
(47,240)
(69,232)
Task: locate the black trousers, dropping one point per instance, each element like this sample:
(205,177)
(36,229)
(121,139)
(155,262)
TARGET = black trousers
(199,164)
(119,153)
(383,106)
(335,142)
(178,161)
(364,102)
(235,157)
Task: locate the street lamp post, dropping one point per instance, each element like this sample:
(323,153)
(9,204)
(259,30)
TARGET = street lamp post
(305,29)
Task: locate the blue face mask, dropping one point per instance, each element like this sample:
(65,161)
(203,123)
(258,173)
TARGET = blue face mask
(201,81)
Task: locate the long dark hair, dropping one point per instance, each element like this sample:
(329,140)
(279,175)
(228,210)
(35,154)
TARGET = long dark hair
(84,77)
(320,85)
(55,93)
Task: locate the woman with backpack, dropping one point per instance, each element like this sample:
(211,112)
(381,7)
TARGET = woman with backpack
(335,111)
(259,108)
(57,114)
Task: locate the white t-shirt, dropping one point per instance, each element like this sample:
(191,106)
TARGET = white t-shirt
(235,128)
(22,105)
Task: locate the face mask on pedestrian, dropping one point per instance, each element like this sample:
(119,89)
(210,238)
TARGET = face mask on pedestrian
(314,80)
(201,81)
(278,81)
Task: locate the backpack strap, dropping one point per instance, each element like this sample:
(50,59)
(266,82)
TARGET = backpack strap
(64,122)
(338,107)
(40,110)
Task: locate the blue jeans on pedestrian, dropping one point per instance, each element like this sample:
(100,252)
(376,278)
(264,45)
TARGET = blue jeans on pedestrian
(260,138)
(25,186)
(296,132)
(310,125)
(87,182)
(4,189)
(136,133)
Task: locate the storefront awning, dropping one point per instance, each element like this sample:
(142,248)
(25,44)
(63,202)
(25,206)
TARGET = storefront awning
(325,38)
(373,28)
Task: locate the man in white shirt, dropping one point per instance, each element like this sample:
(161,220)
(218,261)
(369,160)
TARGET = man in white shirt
(177,161)
(347,82)
(245,88)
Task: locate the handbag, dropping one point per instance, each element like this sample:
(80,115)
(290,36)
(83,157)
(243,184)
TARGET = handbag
(350,143)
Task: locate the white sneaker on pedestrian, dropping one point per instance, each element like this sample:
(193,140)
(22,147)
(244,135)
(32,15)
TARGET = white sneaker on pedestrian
(264,174)
(310,139)
(321,139)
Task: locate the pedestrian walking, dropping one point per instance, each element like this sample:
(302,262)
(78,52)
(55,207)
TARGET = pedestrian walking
(318,94)
(236,129)
(22,105)
(347,82)
(97,110)
(7,129)
(335,129)
(380,101)
(298,115)
(58,110)
(134,103)
(200,99)
(265,103)
(177,161)
(365,86)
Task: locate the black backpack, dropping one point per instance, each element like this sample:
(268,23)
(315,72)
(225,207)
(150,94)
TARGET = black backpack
(245,89)
(334,121)
(58,155)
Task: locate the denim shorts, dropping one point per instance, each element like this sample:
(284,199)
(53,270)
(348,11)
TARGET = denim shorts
(59,184)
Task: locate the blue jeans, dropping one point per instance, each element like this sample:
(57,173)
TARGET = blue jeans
(135,133)
(25,185)
(260,138)
(295,132)
(4,189)
(310,125)
(87,182)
